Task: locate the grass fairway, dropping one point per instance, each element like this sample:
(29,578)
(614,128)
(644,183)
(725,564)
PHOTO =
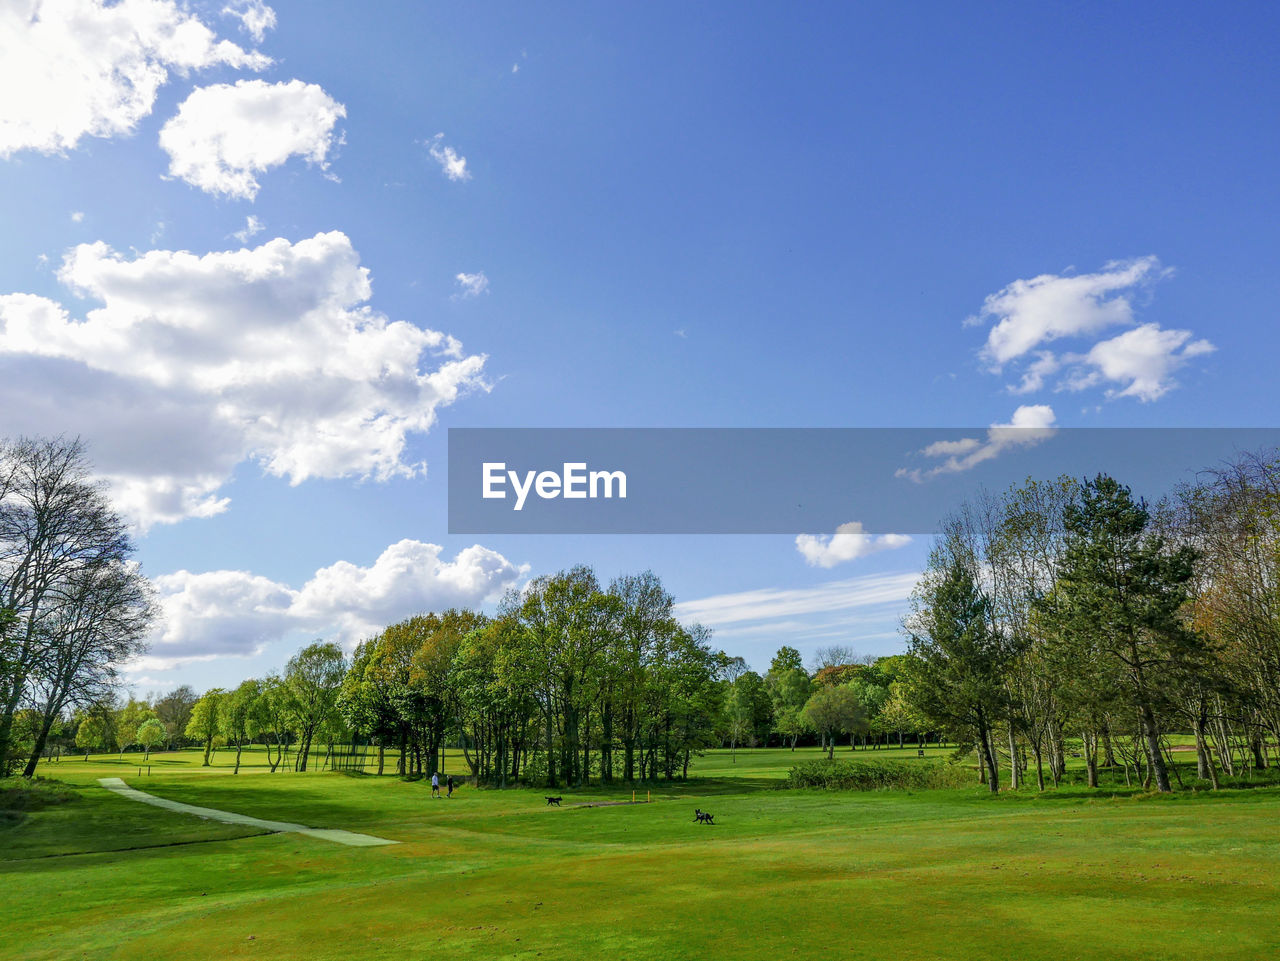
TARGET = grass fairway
(497,874)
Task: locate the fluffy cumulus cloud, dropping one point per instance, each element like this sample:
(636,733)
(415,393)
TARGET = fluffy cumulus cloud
(1030,424)
(193,364)
(848,543)
(236,613)
(1141,362)
(89,68)
(451,164)
(1029,314)
(224,136)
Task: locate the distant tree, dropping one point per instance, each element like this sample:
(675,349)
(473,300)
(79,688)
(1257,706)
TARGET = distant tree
(957,663)
(832,711)
(789,689)
(787,659)
(174,710)
(749,710)
(1120,599)
(150,734)
(313,678)
(833,675)
(835,655)
(92,734)
(240,715)
(273,717)
(129,719)
(206,720)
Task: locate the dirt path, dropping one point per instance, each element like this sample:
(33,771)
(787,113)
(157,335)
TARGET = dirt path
(230,817)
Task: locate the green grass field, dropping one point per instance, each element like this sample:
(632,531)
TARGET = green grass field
(498,874)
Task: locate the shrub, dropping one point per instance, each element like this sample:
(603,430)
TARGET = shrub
(873,775)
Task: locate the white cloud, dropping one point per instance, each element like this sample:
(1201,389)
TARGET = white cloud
(194,364)
(471,285)
(747,606)
(255,17)
(848,543)
(451,164)
(77,216)
(252,227)
(1028,313)
(1033,378)
(224,135)
(75,68)
(236,613)
(1030,425)
(1143,360)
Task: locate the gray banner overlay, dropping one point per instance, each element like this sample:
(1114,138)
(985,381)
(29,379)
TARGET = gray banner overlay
(794,480)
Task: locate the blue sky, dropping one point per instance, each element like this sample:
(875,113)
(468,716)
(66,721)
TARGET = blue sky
(733,215)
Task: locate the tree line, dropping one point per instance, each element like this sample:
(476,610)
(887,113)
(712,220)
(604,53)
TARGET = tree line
(1073,609)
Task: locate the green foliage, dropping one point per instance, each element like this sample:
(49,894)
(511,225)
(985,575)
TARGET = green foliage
(835,710)
(205,724)
(151,734)
(876,775)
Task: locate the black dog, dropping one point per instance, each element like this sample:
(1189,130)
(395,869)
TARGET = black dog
(703,817)
(554,800)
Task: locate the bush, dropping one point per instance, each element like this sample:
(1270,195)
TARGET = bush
(871,775)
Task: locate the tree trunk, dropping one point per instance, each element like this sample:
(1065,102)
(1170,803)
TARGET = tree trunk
(46,725)
(1155,759)
(1015,779)
(1202,750)
(993,772)
(239,748)
(1089,743)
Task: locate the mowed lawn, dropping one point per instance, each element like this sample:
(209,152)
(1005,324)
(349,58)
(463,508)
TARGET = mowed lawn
(498,874)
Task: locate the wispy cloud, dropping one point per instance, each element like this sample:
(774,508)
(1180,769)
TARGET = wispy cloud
(471,285)
(770,603)
(1030,425)
(252,227)
(452,164)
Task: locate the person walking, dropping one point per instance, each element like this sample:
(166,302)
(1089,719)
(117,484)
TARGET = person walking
(435,785)
(450,786)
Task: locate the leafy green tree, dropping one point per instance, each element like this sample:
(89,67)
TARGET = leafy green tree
(273,717)
(206,720)
(240,716)
(834,710)
(312,680)
(1120,600)
(150,734)
(957,659)
(129,719)
(93,734)
(749,710)
(789,688)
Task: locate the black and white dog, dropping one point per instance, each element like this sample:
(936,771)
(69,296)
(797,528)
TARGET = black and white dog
(553,801)
(703,817)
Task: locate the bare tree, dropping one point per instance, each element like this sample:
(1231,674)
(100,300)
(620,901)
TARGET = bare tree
(57,533)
